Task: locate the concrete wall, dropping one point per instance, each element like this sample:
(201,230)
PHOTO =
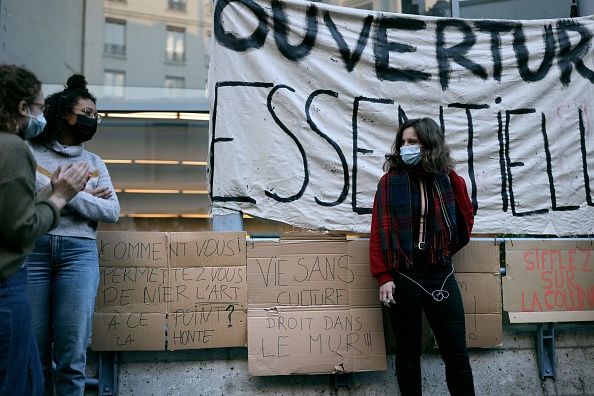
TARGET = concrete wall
(510,370)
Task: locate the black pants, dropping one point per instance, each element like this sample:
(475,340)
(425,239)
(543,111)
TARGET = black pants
(446,318)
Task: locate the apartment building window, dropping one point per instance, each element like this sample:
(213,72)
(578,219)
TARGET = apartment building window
(174,82)
(176,5)
(175,51)
(113,83)
(174,86)
(115,36)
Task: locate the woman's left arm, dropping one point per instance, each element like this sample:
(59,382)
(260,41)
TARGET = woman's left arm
(99,203)
(464,212)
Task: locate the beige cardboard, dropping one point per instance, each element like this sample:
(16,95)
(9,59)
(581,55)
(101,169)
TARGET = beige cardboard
(208,280)
(305,340)
(213,326)
(133,273)
(477,268)
(549,276)
(481,292)
(551,316)
(194,288)
(207,249)
(132,249)
(364,290)
(133,289)
(312,307)
(300,273)
(483,330)
(128,332)
(199,279)
(480,255)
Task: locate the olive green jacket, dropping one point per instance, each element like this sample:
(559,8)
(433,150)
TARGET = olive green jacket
(22,219)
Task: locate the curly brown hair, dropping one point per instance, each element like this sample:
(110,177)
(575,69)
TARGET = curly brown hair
(16,84)
(436,153)
(59,104)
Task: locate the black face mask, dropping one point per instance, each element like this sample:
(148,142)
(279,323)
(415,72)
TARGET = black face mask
(84,128)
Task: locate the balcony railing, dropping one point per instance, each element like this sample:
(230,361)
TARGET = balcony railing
(172,56)
(115,49)
(176,5)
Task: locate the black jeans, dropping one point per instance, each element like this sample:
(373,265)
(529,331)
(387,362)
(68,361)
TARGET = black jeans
(446,318)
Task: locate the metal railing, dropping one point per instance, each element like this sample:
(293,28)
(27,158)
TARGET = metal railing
(115,49)
(173,56)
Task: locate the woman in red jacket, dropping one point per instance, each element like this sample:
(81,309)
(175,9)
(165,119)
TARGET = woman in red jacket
(414,233)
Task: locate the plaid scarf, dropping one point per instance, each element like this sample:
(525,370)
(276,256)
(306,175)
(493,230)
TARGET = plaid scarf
(397,205)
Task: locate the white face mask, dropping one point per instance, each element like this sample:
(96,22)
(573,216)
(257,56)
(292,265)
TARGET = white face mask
(35,127)
(411,155)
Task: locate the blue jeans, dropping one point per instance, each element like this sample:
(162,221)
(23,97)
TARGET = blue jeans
(63,281)
(20,369)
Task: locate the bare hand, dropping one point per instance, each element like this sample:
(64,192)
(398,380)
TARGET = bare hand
(67,181)
(386,293)
(99,192)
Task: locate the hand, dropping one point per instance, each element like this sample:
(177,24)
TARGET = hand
(67,181)
(386,293)
(99,192)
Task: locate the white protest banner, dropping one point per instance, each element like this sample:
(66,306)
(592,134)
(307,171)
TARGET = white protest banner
(306,99)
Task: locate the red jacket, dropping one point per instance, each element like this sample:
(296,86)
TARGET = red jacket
(464,222)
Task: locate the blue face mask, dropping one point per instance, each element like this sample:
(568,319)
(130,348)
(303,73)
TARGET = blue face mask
(35,127)
(411,155)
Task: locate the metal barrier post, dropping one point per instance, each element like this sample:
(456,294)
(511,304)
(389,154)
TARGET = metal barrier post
(343,379)
(545,350)
(108,373)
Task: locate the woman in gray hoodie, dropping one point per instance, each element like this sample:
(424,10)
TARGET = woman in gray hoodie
(64,267)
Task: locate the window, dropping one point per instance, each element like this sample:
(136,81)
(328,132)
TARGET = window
(115,36)
(174,82)
(175,51)
(408,7)
(176,5)
(174,86)
(360,4)
(113,82)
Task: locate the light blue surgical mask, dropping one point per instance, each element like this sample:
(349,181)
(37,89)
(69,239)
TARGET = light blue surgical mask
(35,127)
(411,155)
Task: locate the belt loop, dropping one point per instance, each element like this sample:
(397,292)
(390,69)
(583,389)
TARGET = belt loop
(420,245)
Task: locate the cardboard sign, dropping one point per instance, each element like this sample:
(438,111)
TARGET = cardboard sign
(312,307)
(549,280)
(133,272)
(130,331)
(162,290)
(315,340)
(208,274)
(478,275)
(303,138)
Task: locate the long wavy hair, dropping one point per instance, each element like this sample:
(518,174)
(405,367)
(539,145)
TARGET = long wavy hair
(436,153)
(16,84)
(59,105)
